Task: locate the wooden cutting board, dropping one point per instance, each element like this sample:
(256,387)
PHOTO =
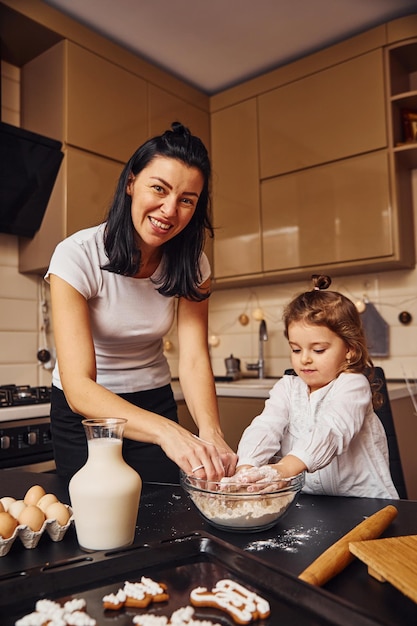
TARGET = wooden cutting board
(392,559)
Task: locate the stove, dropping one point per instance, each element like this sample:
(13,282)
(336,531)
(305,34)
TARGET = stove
(25,433)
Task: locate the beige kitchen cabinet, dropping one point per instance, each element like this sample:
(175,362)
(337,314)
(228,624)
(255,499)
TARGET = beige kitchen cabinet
(329,115)
(80,199)
(84,100)
(334,172)
(236,209)
(184,417)
(235,415)
(322,217)
(165,108)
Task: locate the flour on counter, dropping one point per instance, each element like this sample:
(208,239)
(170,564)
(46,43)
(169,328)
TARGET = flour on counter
(291,540)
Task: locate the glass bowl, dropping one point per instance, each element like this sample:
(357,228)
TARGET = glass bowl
(238,510)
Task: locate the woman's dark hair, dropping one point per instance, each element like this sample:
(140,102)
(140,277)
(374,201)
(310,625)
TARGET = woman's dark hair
(336,312)
(181,274)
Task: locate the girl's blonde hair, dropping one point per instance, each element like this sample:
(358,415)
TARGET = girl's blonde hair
(336,312)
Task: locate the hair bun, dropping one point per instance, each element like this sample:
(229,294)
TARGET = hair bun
(321,281)
(180,129)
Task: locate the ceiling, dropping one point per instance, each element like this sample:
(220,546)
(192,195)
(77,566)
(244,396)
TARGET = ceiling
(215,44)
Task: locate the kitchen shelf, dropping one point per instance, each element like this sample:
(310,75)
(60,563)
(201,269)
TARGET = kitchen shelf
(406,155)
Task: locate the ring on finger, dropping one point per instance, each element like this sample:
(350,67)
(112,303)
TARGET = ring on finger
(195,469)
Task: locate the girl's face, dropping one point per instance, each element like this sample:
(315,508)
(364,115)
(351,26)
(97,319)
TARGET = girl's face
(317,353)
(164,198)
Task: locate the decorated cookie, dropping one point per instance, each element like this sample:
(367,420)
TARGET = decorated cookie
(181,617)
(114,601)
(242,605)
(136,594)
(73,613)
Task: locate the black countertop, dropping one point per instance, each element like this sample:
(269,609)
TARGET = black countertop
(167,515)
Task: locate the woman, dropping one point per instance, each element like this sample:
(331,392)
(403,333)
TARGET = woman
(114,290)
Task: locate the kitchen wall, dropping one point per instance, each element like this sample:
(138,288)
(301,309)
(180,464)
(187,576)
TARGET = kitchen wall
(390,292)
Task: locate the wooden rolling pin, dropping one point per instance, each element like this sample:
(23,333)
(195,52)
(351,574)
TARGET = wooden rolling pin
(338,556)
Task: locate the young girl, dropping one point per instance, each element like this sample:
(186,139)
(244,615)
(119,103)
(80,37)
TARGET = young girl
(322,420)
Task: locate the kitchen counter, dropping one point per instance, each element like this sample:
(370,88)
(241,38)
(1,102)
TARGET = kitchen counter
(243,388)
(167,517)
(259,388)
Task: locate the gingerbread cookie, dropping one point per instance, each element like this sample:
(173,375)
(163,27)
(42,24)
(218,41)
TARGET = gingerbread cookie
(114,601)
(137,595)
(181,617)
(242,605)
(73,613)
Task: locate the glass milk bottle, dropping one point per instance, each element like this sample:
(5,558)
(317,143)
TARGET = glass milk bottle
(105,492)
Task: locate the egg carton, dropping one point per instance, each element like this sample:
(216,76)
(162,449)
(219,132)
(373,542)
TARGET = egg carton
(31,538)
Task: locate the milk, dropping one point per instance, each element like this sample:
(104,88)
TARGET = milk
(105,495)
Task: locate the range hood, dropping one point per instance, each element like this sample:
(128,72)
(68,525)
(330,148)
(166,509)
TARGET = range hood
(29,164)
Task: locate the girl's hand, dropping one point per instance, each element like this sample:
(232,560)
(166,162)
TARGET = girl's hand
(254,479)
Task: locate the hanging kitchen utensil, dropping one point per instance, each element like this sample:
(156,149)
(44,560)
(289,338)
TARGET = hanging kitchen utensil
(44,354)
(376,331)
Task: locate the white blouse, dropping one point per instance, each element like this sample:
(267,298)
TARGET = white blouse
(333,430)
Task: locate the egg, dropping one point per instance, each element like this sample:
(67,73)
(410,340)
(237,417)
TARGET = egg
(6,501)
(7,525)
(16,508)
(46,500)
(59,512)
(34,494)
(32,516)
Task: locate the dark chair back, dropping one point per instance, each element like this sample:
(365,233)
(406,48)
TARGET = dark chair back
(385,415)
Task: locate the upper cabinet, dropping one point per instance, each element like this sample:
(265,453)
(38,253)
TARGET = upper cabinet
(329,115)
(237,220)
(90,102)
(334,214)
(107,105)
(165,108)
(333,188)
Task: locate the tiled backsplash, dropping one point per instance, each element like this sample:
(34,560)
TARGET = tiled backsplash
(20,336)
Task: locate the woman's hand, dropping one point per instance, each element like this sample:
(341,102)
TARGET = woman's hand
(197,382)
(228,457)
(202,459)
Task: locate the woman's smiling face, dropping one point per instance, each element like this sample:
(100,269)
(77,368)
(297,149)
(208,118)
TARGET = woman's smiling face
(164,198)
(317,353)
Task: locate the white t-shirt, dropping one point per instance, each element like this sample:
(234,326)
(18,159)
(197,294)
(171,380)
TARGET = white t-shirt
(129,318)
(333,430)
